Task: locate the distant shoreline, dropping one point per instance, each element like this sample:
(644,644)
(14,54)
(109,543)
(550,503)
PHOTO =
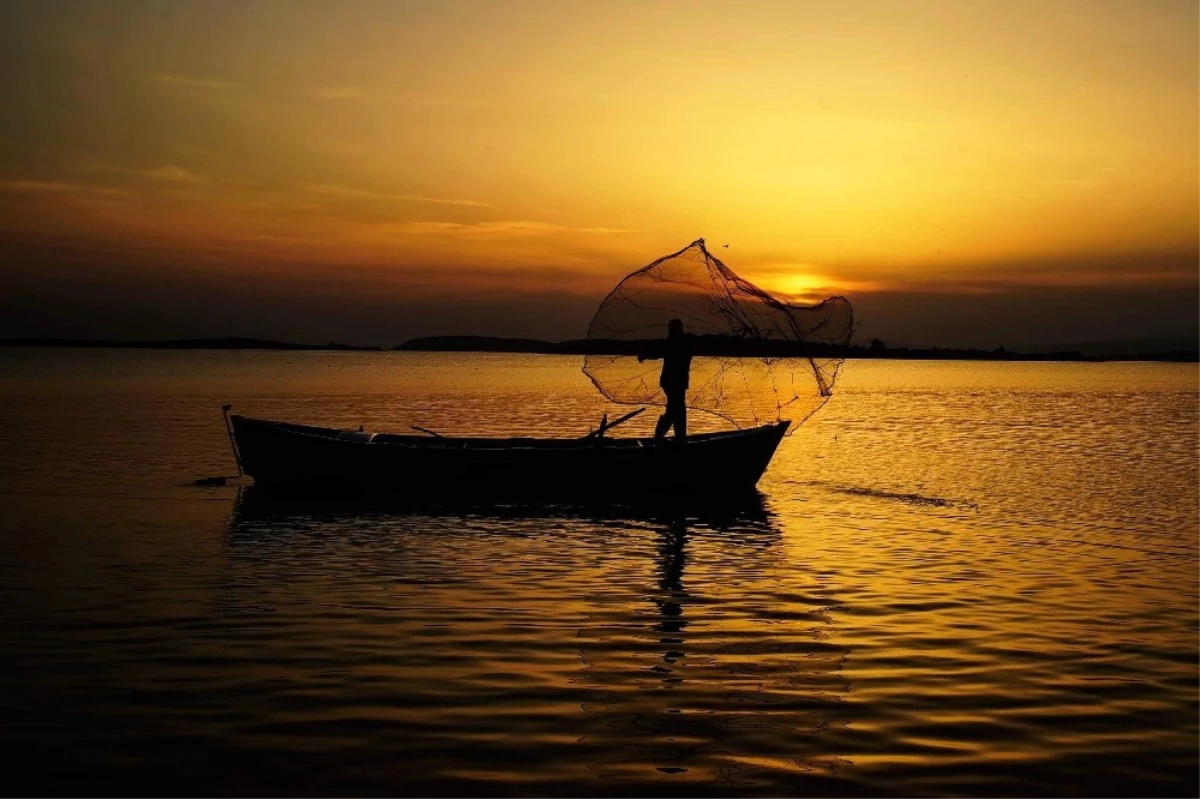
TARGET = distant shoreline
(712,346)
(228,343)
(737,347)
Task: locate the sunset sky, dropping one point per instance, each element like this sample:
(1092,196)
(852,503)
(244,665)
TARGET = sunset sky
(967,173)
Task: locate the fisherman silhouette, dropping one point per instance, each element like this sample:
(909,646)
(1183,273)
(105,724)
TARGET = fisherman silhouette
(676,354)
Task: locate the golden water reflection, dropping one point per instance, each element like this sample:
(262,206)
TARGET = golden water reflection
(965,578)
(688,668)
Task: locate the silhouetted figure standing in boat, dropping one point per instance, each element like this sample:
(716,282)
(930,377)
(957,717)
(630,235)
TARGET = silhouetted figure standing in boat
(676,354)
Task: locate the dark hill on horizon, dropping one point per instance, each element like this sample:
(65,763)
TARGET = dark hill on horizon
(1125,348)
(1179,349)
(225,343)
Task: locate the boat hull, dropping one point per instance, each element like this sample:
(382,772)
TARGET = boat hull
(288,456)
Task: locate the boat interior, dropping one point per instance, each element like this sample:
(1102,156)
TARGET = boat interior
(434,440)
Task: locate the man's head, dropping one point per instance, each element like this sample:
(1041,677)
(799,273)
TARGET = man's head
(675,327)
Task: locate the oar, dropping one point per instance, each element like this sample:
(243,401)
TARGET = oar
(425,430)
(607,425)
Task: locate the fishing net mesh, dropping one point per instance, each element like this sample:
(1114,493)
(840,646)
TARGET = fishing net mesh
(756,359)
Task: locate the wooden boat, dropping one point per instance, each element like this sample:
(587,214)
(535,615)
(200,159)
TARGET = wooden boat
(284,455)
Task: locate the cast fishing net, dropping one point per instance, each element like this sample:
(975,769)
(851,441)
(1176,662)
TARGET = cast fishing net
(756,359)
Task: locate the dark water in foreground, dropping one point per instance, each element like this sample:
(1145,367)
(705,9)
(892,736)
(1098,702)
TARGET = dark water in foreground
(961,579)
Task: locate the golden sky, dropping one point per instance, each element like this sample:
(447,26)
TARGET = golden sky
(441,148)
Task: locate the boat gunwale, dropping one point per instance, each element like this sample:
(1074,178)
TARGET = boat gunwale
(586,442)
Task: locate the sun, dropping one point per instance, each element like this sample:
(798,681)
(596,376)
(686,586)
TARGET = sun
(799,286)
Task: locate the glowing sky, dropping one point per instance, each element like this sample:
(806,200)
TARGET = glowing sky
(964,171)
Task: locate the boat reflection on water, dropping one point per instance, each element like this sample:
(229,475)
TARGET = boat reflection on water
(256,505)
(703,655)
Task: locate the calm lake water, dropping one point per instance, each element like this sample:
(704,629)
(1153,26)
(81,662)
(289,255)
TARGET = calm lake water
(963,579)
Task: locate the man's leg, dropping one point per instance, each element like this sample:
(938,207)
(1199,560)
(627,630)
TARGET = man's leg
(677,415)
(664,423)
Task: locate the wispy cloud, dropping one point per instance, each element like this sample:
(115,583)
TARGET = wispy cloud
(497,228)
(421,198)
(351,193)
(336,93)
(1117,273)
(362,95)
(170,174)
(58,187)
(167,173)
(187,80)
